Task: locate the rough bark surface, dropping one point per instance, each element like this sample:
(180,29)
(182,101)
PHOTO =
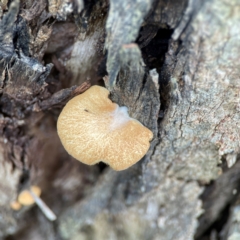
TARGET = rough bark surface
(175,65)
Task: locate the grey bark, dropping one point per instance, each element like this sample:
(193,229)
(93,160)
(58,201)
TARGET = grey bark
(175,65)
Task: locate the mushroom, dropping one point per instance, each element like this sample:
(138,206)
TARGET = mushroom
(25,197)
(92,129)
(15,205)
(31,196)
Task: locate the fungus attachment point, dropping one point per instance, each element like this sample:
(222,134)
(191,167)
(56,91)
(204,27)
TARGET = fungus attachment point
(92,129)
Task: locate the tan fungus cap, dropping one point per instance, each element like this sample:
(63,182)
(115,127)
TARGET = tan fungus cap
(25,197)
(92,129)
(15,205)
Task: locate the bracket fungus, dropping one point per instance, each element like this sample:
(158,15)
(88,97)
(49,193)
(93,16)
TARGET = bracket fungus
(92,129)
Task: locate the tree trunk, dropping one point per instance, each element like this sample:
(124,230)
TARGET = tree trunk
(175,65)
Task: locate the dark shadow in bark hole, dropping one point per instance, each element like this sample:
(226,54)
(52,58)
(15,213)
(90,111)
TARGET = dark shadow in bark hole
(102,68)
(101,83)
(217,225)
(154,53)
(102,166)
(154,57)
(217,200)
(24,180)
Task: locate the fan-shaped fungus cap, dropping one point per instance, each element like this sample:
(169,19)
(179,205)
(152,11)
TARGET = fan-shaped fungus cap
(25,197)
(92,129)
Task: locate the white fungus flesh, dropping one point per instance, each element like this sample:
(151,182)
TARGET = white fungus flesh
(92,129)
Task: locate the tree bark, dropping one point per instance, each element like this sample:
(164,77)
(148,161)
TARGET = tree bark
(175,65)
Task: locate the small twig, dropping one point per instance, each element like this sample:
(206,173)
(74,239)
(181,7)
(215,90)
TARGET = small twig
(42,205)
